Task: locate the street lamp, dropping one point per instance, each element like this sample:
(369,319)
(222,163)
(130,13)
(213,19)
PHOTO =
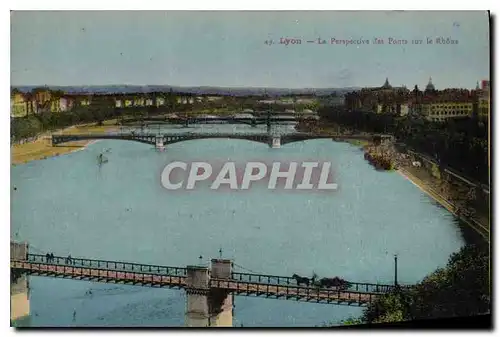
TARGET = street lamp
(395,270)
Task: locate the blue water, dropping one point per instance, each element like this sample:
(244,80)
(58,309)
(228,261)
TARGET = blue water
(120,211)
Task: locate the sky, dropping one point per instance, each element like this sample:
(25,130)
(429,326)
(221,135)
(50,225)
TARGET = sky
(228,48)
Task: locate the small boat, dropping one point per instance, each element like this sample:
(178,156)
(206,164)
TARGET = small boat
(101,159)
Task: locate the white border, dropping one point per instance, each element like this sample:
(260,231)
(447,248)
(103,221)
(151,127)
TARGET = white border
(184,5)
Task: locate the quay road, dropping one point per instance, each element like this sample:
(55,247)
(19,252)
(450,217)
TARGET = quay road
(476,225)
(244,284)
(452,171)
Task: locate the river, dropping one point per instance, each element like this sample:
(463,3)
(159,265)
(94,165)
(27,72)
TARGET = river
(120,211)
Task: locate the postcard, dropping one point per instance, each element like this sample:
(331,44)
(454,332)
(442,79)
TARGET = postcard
(250,169)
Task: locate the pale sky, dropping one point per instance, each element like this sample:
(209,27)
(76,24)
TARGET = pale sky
(228,49)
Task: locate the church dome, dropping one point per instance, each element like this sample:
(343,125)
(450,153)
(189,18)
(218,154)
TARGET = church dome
(386,84)
(430,86)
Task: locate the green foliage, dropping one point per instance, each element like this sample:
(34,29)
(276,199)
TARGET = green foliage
(435,171)
(25,127)
(352,321)
(462,288)
(387,308)
(32,125)
(457,143)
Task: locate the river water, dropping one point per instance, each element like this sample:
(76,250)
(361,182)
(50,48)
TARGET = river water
(120,211)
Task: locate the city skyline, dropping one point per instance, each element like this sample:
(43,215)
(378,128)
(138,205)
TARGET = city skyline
(227,49)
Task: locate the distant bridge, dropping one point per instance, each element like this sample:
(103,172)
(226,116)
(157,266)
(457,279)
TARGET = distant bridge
(171,138)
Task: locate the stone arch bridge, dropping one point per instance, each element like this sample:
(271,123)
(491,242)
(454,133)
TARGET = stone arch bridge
(160,140)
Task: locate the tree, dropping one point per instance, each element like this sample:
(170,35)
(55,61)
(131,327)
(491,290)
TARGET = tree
(462,288)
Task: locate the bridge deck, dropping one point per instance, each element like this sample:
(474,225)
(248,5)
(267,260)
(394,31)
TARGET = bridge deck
(100,275)
(169,138)
(175,277)
(309,294)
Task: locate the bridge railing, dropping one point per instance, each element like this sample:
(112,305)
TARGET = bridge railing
(106,275)
(292,290)
(108,265)
(290,281)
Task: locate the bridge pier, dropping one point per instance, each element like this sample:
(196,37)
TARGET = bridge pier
(197,289)
(208,307)
(220,300)
(19,285)
(159,145)
(275,142)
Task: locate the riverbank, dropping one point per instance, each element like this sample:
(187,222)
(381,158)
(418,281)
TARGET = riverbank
(19,306)
(481,228)
(378,157)
(42,147)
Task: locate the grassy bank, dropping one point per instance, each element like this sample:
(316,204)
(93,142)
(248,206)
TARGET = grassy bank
(42,148)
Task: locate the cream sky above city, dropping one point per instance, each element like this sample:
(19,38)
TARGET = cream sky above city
(229,49)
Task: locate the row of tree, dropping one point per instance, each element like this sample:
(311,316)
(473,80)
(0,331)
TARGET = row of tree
(102,108)
(460,289)
(33,125)
(458,143)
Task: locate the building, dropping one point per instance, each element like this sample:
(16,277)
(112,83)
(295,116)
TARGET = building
(383,99)
(438,109)
(386,88)
(485,85)
(84,100)
(61,104)
(484,107)
(22,104)
(484,100)
(41,95)
(429,88)
(185,100)
(65,103)
(18,106)
(438,106)
(402,109)
(160,101)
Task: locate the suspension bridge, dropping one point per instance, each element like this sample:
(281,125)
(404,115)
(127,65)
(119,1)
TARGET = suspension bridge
(209,289)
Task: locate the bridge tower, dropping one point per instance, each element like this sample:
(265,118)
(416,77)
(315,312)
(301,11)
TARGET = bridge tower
(208,307)
(268,122)
(19,286)
(159,145)
(275,141)
(221,301)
